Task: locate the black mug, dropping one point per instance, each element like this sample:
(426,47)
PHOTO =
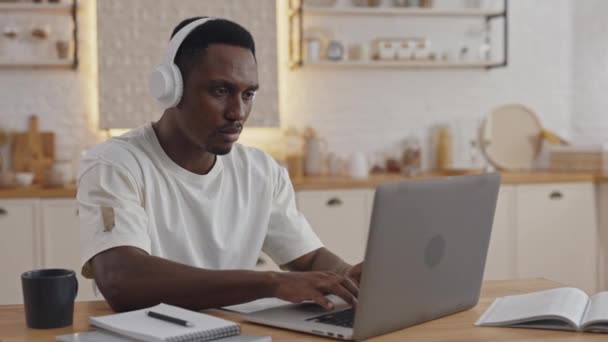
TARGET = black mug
(48,297)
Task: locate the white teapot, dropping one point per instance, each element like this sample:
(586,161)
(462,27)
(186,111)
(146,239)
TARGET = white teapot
(315,151)
(61,173)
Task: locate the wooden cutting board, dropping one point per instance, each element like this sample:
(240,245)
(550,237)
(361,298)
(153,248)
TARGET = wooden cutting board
(33,151)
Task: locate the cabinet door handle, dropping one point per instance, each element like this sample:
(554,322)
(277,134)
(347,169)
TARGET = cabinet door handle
(3,212)
(556,195)
(334,202)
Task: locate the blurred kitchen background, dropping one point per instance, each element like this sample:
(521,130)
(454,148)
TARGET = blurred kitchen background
(556,67)
(353,93)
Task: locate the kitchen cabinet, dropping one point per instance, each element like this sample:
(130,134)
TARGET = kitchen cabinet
(38,233)
(539,230)
(557,233)
(340,218)
(331,212)
(18,246)
(501,260)
(61,241)
(602,209)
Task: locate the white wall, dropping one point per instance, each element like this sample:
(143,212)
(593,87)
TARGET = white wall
(64,99)
(590,72)
(373,109)
(124,98)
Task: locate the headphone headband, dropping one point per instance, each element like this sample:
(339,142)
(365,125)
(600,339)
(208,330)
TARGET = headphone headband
(179,38)
(166,82)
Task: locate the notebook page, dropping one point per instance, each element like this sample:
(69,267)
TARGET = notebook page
(139,325)
(598,309)
(566,302)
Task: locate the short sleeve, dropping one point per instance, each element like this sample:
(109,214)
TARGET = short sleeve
(110,211)
(289,233)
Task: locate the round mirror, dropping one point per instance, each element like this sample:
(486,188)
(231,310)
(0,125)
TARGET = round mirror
(510,137)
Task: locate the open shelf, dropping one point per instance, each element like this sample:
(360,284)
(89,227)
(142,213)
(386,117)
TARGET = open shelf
(396,11)
(28,7)
(402,64)
(38,64)
(64,9)
(298,11)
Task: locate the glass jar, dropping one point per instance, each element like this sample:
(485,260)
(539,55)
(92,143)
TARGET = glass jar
(411,157)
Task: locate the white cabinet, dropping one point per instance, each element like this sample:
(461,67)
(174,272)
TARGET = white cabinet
(501,260)
(340,218)
(557,233)
(61,241)
(539,230)
(38,233)
(602,208)
(18,246)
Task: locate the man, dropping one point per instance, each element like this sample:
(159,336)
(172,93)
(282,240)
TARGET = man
(176,212)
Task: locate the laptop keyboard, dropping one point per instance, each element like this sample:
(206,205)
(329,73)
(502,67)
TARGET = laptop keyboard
(343,318)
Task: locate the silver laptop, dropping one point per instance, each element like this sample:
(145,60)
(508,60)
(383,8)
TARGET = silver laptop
(425,256)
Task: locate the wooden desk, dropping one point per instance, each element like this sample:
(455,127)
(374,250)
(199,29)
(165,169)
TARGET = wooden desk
(458,327)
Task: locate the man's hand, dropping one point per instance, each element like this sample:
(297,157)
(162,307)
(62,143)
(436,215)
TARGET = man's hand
(354,273)
(297,287)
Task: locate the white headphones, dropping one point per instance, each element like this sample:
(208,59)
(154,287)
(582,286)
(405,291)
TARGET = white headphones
(166,83)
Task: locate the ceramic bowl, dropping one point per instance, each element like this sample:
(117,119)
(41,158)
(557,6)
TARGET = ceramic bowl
(24,178)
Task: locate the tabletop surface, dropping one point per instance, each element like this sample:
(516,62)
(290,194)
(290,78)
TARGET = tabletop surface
(457,327)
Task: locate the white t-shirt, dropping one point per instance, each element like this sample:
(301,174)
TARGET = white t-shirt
(130,193)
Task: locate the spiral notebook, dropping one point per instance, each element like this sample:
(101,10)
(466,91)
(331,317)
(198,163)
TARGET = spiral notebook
(138,325)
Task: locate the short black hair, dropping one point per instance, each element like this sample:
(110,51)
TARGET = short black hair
(217,31)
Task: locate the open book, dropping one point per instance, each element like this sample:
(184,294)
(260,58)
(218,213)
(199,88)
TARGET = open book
(565,308)
(138,325)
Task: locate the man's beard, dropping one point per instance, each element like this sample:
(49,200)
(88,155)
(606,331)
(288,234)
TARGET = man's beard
(220,151)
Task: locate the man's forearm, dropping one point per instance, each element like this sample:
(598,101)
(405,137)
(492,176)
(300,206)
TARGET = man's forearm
(142,281)
(321,259)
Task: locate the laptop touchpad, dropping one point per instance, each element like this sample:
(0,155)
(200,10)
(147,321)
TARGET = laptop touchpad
(310,308)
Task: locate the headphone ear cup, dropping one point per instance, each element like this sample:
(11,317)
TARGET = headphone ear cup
(178,85)
(162,85)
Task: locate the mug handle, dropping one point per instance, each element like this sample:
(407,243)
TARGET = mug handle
(75,286)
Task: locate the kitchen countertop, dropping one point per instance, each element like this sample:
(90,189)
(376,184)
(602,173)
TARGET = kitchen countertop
(38,192)
(321,183)
(332,182)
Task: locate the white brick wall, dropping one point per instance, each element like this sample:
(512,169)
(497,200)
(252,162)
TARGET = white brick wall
(590,72)
(372,109)
(65,100)
(133,35)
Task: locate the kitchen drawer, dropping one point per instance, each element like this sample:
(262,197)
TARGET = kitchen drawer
(557,233)
(501,260)
(602,208)
(18,246)
(61,241)
(340,218)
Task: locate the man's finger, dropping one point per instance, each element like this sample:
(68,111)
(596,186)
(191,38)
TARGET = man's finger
(343,293)
(350,285)
(324,302)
